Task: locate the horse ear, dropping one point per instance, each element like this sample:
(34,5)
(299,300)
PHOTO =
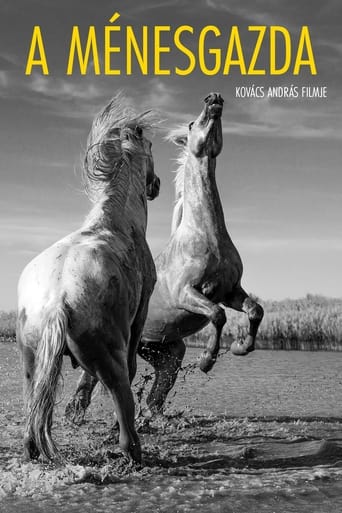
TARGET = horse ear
(178,136)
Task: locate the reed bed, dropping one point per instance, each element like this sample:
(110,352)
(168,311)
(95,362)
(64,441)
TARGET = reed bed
(311,323)
(7,325)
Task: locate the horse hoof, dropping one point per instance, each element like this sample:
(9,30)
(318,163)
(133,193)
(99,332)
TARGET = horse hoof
(74,412)
(207,361)
(241,349)
(133,454)
(30,451)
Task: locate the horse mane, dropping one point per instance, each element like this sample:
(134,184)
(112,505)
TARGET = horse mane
(179,137)
(111,143)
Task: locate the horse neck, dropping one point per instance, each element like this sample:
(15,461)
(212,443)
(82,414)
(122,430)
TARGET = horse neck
(121,204)
(202,206)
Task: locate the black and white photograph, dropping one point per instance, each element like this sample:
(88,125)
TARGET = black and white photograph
(171,256)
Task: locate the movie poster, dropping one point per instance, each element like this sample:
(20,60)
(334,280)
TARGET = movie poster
(243,104)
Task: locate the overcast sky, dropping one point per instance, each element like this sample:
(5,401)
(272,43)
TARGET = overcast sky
(279,174)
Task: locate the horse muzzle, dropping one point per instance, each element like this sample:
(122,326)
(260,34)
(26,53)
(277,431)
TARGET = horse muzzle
(214,105)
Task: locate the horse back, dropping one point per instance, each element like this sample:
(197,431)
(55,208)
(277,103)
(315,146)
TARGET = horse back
(100,280)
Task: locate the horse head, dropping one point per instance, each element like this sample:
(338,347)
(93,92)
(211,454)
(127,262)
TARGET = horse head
(152,180)
(205,133)
(117,140)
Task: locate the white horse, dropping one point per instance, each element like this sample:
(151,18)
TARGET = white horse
(87,294)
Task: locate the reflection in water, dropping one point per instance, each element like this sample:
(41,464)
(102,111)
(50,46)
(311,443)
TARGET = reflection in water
(210,458)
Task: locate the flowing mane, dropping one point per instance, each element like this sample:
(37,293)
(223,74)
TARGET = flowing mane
(179,137)
(112,143)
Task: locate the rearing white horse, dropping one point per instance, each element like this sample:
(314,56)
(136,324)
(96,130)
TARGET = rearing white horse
(87,295)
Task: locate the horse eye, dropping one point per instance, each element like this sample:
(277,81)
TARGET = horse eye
(138,131)
(190,125)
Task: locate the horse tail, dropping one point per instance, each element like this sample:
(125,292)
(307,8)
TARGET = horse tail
(49,359)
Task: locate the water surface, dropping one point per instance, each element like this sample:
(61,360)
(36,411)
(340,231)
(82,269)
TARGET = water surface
(261,433)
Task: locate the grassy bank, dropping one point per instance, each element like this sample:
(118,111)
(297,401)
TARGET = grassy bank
(313,322)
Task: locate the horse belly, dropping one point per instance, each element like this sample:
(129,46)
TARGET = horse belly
(166,322)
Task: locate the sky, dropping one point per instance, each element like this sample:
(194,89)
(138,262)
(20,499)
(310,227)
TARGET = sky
(279,174)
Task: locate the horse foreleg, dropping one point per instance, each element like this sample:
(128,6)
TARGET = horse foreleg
(193,301)
(76,408)
(240,301)
(166,359)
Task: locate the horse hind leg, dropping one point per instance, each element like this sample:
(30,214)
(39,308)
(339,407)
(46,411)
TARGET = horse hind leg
(166,360)
(107,361)
(76,407)
(115,378)
(241,301)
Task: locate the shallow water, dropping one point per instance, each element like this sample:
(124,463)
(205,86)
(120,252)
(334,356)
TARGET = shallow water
(261,433)
(266,383)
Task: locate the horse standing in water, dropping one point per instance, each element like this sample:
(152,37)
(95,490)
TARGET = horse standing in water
(87,295)
(199,268)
